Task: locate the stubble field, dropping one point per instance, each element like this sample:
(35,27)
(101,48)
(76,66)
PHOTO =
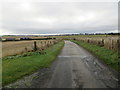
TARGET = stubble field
(18,47)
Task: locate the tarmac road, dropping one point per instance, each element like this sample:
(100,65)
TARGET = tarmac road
(74,67)
(77,68)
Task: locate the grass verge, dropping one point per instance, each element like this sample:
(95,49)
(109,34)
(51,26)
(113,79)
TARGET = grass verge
(109,57)
(16,68)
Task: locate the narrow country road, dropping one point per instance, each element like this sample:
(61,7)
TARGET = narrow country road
(74,68)
(77,68)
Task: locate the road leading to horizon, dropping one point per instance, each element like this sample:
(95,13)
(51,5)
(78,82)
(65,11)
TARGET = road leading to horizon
(77,68)
(74,67)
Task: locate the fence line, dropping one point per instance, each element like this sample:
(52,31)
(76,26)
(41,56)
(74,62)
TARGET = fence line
(15,48)
(112,43)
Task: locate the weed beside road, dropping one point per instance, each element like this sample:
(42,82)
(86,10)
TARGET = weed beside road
(16,68)
(108,56)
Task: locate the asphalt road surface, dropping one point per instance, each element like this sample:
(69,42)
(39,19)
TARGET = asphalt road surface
(74,68)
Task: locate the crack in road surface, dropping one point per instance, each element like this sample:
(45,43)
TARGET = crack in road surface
(74,68)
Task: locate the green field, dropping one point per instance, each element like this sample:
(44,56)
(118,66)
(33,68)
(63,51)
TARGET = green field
(16,68)
(109,57)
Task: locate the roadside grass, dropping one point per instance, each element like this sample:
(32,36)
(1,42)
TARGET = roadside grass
(109,57)
(16,68)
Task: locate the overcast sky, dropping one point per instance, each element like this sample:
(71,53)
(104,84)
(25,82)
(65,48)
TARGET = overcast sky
(35,17)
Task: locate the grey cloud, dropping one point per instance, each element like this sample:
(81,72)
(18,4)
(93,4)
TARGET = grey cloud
(58,17)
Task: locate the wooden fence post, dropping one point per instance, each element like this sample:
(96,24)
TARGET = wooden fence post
(118,46)
(35,46)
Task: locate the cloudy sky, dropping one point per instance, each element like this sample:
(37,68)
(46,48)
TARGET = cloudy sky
(38,17)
